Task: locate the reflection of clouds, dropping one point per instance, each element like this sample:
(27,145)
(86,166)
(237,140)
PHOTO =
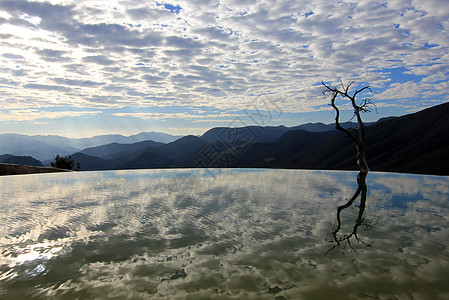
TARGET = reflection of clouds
(239,233)
(427,186)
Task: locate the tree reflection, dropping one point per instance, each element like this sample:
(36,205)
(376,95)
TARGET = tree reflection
(344,240)
(359,141)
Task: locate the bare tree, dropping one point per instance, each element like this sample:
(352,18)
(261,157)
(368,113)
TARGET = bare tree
(360,144)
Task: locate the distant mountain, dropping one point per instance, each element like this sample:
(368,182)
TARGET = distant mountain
(91,163)
(45,147)
(249,134)
(143,160)
(95,141)
(321,127)
(290,143)
(20,160)
(115,150)
(4,156)
(415,143)
(154,136)
(142,155)
(23,145)
(269,134)
(181,147)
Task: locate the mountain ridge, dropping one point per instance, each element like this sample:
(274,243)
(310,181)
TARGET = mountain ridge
(45,147)
(413,143)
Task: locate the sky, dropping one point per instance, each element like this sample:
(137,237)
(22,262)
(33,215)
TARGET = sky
(84,68)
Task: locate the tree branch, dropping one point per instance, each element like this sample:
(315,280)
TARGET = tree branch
(359,143)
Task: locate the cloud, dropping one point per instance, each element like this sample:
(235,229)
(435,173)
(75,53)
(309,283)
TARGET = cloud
(218,53)
(43,10)
(147,13)
(51,55)
(18,115)
(183,43)
(12,56)
(99,59)
(181,116)
(45,87)
(114,34)
(74,82)
(186,81)
(8,82)
(408,90)
(429,69)
(152,79)
(215,33)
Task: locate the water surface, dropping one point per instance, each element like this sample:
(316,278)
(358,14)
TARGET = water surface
(222,234)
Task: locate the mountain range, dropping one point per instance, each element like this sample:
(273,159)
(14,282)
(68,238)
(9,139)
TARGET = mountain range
(414,143)
(45,147)
(20,160)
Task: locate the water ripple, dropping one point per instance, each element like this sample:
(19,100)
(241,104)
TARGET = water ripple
(239,234)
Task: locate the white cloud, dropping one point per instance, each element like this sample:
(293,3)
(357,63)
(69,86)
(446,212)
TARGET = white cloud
(219,52)
(409,89)
(165,116)
(18,115)
(45,87)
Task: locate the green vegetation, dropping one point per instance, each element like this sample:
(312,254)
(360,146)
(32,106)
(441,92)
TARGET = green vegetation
(64,163)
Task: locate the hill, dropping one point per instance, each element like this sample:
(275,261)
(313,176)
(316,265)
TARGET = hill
(267,134)
(320,127)
(20,160)
(23,145)
(115,150)
(82,143)
(414,143)
(142,155)
(250,134)
(271,154)
(46,147)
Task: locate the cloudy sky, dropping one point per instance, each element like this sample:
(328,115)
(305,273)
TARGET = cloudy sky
(83,68)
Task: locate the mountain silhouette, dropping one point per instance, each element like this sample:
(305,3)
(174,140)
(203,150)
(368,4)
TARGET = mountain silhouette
(414,143)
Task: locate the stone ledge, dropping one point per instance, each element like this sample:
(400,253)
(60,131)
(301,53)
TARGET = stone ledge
(11,169)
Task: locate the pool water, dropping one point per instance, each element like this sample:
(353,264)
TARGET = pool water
(223,234)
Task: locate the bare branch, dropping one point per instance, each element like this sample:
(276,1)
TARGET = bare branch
(359,143)
(337,119)
(327,87)
(347,88)
(361,90)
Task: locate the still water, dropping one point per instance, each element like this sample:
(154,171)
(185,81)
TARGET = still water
(223,234)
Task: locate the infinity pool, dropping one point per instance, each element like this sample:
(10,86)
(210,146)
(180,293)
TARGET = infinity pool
(223,234)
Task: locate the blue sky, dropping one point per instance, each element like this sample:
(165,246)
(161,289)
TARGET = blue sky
(84,68)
